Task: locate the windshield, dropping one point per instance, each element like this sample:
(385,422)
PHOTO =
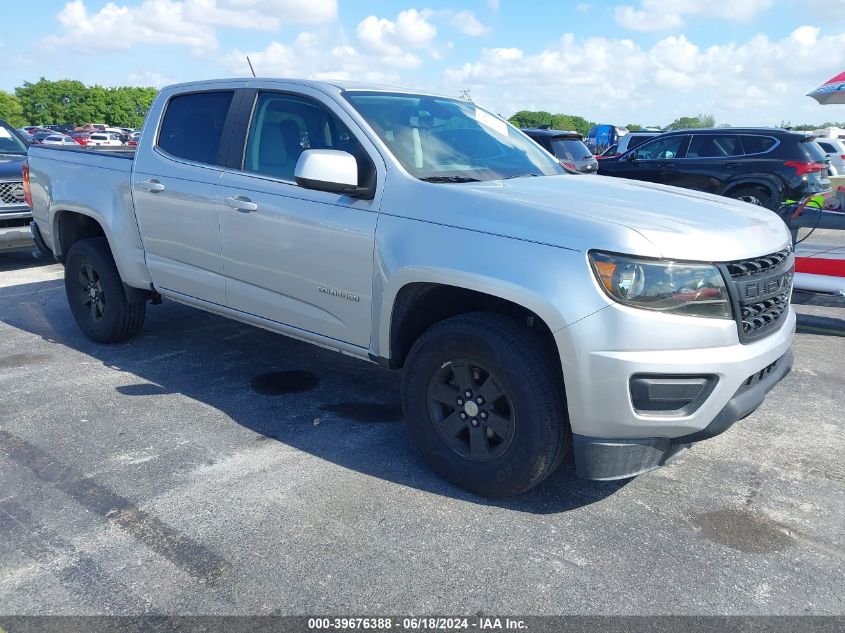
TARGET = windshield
(446,140)
(10,143)
(570,149)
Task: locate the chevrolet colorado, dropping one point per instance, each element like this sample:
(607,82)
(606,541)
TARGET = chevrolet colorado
(532,312)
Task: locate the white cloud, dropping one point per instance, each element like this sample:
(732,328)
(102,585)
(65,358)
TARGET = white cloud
(583,7)
(468,24)
(121,27)
(310,58)
(188,23)
(659,15)
(148,78)
(493,5)
(393,40)
(760,81)
(264,15)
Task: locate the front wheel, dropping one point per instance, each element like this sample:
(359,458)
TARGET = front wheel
(96,295)
(485,404)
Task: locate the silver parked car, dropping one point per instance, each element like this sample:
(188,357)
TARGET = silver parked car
(61,140)
(532,312)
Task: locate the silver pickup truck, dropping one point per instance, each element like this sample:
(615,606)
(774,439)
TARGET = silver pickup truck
(533,312)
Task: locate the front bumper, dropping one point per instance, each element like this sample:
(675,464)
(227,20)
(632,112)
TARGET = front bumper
(601,353)
(16,234)
(602,459)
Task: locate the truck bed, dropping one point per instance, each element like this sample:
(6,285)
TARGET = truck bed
(124,152)
(93,183)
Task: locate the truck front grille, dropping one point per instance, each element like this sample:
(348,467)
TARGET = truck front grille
(760,289)
(11,194)
(746,267)
(763,313)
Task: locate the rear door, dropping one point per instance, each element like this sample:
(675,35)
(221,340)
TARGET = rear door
(174,188)
(291,255)
(710,162)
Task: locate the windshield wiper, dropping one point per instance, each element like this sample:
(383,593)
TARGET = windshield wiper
(521,176)
(449,179)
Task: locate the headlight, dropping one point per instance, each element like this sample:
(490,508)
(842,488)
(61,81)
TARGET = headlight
(663,285)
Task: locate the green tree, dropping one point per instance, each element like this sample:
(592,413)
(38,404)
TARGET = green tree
(539,118)
(685,122)
(46,102)
(11,110)
(571,122)
(634,127)
(66,101)
(529,118)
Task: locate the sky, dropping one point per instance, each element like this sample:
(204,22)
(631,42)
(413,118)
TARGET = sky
(747,62)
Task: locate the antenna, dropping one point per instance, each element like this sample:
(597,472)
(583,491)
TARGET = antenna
(250,66)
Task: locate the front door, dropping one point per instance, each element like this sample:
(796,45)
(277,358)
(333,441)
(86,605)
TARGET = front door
(655,160)
(297,256)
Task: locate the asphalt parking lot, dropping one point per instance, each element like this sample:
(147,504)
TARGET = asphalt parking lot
(208,467)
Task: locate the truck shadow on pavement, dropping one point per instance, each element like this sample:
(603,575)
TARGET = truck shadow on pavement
(334,407)
(21,260)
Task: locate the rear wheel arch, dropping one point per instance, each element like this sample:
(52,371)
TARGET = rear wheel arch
(771,187)
(770,194)
(71,226)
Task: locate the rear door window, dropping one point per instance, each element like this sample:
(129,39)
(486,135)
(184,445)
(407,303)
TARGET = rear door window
(192,126)
(753,144)
(714,146)
(827,147)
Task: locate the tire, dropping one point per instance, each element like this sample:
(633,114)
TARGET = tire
(525,434)
(754,195)
(96,295)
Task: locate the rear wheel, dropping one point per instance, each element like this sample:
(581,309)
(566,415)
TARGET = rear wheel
(96,295)
(485,403)
(754,195)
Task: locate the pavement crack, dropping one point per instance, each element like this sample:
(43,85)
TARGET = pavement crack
(181,550)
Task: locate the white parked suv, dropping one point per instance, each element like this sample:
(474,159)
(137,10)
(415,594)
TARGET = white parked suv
(532,312)
(834,148)
(107,139)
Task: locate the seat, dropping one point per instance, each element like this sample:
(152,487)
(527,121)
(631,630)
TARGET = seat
(292,140)
(273,159)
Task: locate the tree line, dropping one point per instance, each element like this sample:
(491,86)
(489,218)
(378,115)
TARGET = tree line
(72,102)
(540,118)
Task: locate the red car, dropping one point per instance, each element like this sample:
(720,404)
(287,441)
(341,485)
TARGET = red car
(80,137)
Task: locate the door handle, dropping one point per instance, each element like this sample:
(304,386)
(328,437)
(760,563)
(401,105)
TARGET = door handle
(668,164)
(151,185)
(732,165)
(241,203)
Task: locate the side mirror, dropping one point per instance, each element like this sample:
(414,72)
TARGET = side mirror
(330,170)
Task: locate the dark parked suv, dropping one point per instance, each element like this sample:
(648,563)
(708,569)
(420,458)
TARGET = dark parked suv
(567,147)
(760,166)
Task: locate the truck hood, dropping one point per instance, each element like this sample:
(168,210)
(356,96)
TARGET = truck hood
(11,166)
(587,212)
